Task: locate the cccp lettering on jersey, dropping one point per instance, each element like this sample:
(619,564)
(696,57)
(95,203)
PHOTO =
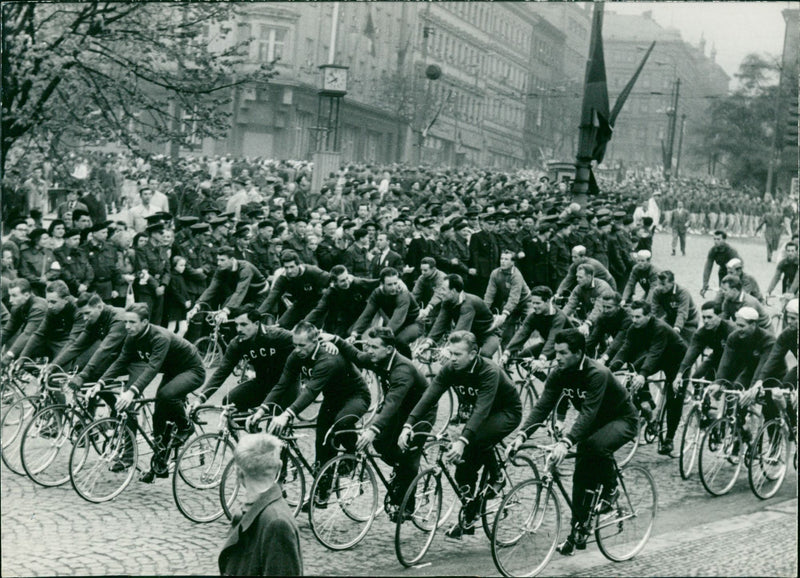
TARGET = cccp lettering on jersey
(306,371)
(575,393)
(262,352)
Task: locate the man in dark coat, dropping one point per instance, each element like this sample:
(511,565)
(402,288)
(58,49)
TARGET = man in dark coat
(264,540)
(484,256)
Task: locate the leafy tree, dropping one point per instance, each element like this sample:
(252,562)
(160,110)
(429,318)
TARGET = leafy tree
(94,71)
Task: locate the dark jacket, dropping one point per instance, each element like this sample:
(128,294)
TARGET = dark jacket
(109,331)
(399,310)
(264,541)
(339,309)
(654,347)
(613,326)
(705,338)
(745,356)
(546,325)
(24,320)
(484,253)
(471,314)
(55,331)
(676,307)
(379,262)
(232,289)
(305,289)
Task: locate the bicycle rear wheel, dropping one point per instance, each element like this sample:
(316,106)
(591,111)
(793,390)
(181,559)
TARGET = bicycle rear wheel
(17,416)
(343,502)
(526,529)
(520,468)
(624,532)
(769,459)
(198,474)
(418,517)
(46,444)
(103,460)
(721,455)
(210,351)
(690,443)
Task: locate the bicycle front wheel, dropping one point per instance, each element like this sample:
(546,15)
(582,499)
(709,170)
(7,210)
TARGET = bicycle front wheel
(418,517)
(446,410)
(210,351)
(343,502)
(526,529)
(769,459)
(721,457)
(46,445)
(690,443)
(103,460)
(520,468)
(17,416)
(198,474)
(623,533)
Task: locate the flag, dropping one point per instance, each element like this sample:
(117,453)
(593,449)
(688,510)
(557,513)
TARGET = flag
(595,127)
(623,96)
(370,30)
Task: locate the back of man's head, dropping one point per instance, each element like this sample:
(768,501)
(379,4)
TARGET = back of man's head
(258,456)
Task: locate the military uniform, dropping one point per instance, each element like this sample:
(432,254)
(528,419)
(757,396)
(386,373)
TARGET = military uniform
(103,259)
(155,261)
(75,268)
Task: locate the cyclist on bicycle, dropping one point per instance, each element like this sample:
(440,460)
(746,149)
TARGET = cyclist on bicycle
(265,348)
(429,288)
(149,350)
(27,313)
(579,258)
(785,270)
(93,350)
(607,335)
(341,304)
(61,325)
(712,335)
(675,305)
(235,283)
(393,302)
(309,371)
(462,311)
(644,274)
(546,319)
(508,293)
(303,283)
(735,298)
(746,349)
(652,346)
(495,411)
(402,385)
(607,421)
(584,301)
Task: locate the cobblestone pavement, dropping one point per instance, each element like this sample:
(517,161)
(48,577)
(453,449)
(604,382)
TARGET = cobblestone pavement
(52,531)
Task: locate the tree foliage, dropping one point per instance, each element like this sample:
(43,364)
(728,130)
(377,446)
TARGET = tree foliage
(95,71)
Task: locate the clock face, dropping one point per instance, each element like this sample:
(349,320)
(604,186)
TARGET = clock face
(335,79)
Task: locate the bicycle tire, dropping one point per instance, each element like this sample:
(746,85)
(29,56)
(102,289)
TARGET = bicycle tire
(45,457)
(624,532)
(526,529)
(198,475)
(413,534)
(523,469)
(446,410)
(353,492)
(721,455)
(769,459)
(101,445)
(210,352)
(691,437)
(11,429)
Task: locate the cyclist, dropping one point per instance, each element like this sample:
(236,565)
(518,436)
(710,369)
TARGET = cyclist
(235,283)
(750,286)
(495,411)
(584,301)
(341,304)
(304,283)
(61,325)
(712,335)
(675,305)
(265,348)
(785,270)
(720,254)
(508,293)
(546,320)
(27,313)
(462,311)
(652,346)
(429,289)
(607,421)
(147,351)
(735,298)
(396,306)
(607,335)
(403,386)
(746,349)
(644,274)
(579,258)
(311,370)
(99,341)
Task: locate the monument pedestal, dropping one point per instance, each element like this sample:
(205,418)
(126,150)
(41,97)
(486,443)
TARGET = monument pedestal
(325,163)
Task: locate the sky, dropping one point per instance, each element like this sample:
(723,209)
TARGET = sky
(735,28)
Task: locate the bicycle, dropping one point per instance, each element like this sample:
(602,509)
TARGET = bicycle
(769,452)
(48,437)
(19,379)
(723,448)
(18,414)
(105,456)
(344,496)
(426,354)
(422,503)
(527,525)
(212,347)
(697,421)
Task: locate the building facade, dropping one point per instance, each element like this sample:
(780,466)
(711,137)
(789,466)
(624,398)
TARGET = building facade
(643,126)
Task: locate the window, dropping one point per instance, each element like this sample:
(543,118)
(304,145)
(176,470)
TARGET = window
(270,43)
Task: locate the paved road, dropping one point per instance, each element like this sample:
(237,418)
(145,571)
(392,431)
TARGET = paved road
(52,531)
